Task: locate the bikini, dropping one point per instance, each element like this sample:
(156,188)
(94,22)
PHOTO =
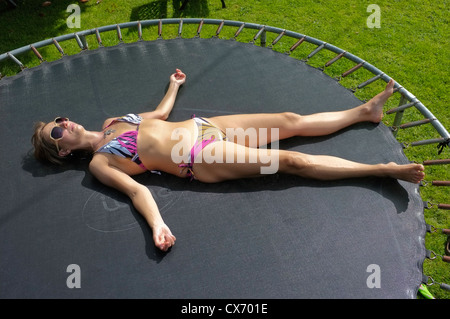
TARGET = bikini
(207,133)
(125,145)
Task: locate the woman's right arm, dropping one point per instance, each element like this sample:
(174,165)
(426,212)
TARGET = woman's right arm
(140,196)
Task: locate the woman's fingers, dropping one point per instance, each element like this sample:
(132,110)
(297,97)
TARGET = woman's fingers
(165,240)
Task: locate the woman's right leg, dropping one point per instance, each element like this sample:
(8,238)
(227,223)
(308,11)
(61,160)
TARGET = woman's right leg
(324,167)
(225,160)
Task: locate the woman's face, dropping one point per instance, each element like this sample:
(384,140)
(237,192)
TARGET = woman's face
(70,134)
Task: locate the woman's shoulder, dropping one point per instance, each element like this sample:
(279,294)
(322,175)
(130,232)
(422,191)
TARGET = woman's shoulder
(129,118)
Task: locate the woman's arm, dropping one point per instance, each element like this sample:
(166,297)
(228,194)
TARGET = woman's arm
(164,108)
(140,196)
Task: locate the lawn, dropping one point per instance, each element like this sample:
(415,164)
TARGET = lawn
(411,45)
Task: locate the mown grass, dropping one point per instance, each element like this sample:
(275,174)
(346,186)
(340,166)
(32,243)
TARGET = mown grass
(411,46)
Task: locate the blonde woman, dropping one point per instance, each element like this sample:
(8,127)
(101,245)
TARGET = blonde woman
(134,143)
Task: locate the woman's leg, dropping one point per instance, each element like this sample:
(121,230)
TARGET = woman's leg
(225,160)
(291,124)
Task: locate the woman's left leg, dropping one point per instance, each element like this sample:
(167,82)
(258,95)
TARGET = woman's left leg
(290,124)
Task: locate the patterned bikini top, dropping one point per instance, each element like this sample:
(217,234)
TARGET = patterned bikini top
(125,144)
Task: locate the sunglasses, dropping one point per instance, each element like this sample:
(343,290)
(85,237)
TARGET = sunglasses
(57,132)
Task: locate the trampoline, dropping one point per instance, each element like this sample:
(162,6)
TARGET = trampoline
(276,237)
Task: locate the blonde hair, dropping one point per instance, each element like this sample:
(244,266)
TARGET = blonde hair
(44,150)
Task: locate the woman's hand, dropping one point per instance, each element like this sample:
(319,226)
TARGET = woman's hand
(178,77)
(163,238)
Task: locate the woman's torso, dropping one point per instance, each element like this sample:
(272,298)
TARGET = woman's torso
(156,140)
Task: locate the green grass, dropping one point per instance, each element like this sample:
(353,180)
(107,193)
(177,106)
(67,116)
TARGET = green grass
(411,46)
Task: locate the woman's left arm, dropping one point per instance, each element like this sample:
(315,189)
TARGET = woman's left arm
(164,108)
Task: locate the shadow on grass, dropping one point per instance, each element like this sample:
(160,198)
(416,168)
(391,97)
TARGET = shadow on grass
(158,10)
(31,22)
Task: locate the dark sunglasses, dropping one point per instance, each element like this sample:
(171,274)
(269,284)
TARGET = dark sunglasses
(57,132)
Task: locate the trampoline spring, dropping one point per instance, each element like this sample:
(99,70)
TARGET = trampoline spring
(433,229)
(258,34)
(432,256)
(426,142)
(56,43)
(119,34)
(440,183)
(428,205)
(199,29)
(219,28)
(99,39)
(437,162)
(295,46)
(239,30)
(416,123)
(139,30)
(36,52)
(337,57)
(160,29)
(369,81)
(12,57)
(356,67)
(180,29)
(433,282)
(278,38)
(401,107)
(313,53)
(82,45)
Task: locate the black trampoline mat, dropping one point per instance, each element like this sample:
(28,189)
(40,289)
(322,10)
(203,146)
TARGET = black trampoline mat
(274,237)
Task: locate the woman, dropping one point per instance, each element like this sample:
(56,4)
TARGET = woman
(199,148)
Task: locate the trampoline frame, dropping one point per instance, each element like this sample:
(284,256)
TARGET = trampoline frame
(407,100)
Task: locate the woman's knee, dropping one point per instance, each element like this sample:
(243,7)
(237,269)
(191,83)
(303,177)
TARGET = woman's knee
(294,163)
(293,123)
(291,118)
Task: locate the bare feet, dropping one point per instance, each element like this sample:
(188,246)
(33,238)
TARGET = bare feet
(413,173)
(374,107)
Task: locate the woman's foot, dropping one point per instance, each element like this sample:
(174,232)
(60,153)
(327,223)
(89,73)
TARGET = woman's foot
(373,109)
(412,173)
